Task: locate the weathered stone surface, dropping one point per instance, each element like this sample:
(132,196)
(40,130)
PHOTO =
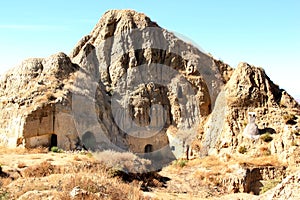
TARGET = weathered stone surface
(251,179)
(29,95)
(287,189)
(251,90)
(154,79)
(131,81)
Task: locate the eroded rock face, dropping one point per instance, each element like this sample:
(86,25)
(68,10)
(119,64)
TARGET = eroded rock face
(251,90)
(123,86)
(252,179)
(287,189)
(29,94)
(154,79)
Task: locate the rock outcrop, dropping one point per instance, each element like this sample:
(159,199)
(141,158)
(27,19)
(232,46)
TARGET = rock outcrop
(251,90)
(30,96)
(252,179)
(287,189)
(126,86)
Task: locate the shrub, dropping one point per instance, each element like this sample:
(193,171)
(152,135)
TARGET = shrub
(4,195)
(266,137)
(294,143)
(89,154)
(242,149)
(181,163)
(126,161)
(265,151)
(290,119)
(41,170)
(55,149)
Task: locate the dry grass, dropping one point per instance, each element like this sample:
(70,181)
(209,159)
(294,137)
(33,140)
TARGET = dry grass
(58,181)
(211,170)
(269,160)
(41,170)
(264,151)
(127,162)
(207,162)
(21,165)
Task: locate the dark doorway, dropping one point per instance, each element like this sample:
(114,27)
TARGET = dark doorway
(53,140)
(89,140)
(179,93)
(148,148)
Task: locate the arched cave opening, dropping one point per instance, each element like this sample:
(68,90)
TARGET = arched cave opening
(148,148)
(89,140)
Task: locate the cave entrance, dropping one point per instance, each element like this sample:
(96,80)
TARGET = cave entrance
(53,140)
(148,148)
(89,140)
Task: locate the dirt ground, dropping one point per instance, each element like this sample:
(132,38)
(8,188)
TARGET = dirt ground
(42,174)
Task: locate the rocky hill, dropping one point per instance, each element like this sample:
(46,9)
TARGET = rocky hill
(125,85)
(131,85)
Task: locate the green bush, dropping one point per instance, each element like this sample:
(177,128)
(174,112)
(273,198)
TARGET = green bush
(242,149)
(266,137)
(181,163)
(55,149)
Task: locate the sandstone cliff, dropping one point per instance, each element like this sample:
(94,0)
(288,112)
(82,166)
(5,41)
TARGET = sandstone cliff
(127,85)
(251,90)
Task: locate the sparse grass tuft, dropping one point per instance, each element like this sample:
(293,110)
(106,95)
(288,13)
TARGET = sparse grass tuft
(294,143)
(290,119)
(261,161)
(89,154)
(264,151)
(242,149)
(21,165)
(180,163)
(266,137)
(4,195)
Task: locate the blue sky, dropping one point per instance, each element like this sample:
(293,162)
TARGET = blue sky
(261,32)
